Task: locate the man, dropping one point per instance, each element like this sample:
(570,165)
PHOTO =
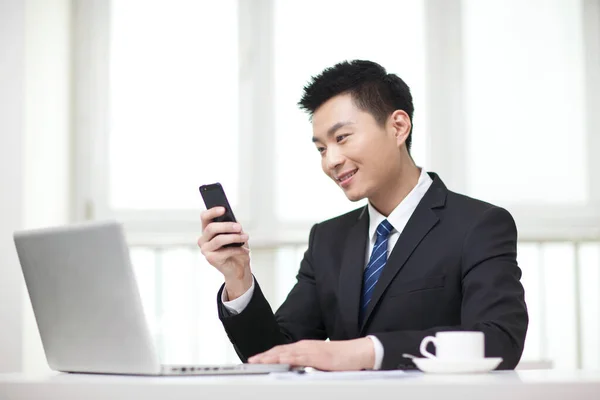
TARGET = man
(416,260)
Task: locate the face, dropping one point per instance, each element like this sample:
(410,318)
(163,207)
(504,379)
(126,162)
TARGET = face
(362,157)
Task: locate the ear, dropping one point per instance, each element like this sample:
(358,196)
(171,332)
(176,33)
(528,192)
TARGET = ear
(400,125)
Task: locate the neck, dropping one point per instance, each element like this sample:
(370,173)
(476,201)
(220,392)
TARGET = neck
(399,186)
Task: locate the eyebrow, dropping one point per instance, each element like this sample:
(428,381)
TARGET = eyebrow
(333,129)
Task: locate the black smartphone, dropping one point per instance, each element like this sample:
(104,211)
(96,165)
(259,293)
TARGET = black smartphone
(214,196)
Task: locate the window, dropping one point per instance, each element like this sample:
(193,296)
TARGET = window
(173,108)
(524,66)
(527,144)
(173,102)
(198,92)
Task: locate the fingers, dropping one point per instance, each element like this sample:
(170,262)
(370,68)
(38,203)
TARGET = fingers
(210,214)
(297,354)
(211,230)
(325,356)
(219,257)
(272,356)
(285,357)
(220,240)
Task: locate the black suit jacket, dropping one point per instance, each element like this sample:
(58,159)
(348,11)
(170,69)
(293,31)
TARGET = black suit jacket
(453,268)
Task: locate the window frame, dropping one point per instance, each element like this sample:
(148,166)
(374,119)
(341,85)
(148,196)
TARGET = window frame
(446,112)
(445,105)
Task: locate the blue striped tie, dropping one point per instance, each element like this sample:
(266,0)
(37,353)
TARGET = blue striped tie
(376,263)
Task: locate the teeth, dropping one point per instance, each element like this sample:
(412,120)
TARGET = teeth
(346,176)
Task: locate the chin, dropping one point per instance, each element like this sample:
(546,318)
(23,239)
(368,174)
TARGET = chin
(354,196)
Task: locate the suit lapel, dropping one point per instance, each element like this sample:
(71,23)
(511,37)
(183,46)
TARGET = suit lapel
(351,273)
(420,223)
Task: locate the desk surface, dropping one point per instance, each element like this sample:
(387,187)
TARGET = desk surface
(513,385)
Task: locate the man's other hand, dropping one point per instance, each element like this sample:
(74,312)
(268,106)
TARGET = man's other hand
(343,355)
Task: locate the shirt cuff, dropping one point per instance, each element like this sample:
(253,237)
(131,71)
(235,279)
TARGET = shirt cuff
(378,352)
(238,305)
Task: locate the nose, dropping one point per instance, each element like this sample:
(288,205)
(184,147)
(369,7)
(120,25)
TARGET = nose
(333,158)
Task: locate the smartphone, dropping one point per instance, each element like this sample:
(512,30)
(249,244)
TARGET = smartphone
(214,196)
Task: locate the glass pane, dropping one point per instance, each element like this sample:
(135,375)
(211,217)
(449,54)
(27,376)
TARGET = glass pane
(211,340)
(191,330)
(529,261)
(589,298)
(558,263)
(339,30)
(525,100)
(173,102)
(178,290)
(144,267)
(288,259)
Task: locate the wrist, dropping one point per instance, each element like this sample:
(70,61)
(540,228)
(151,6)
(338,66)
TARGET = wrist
(366,353)
(237,286)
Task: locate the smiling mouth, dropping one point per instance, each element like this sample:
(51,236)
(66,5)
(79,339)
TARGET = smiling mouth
(345,176)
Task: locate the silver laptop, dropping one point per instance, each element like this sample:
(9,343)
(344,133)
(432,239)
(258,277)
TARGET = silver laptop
(88,308)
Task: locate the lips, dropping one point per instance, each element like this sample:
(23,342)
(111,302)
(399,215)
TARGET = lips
(345,177)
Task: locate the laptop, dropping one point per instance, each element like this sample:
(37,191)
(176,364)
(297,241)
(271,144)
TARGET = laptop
(88,308)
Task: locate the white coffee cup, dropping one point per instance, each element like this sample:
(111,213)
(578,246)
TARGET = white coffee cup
(455,346)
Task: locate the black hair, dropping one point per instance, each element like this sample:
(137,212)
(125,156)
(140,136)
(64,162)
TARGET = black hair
(372,89)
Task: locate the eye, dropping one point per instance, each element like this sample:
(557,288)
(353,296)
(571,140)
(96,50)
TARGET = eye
(321,149)
(340,138)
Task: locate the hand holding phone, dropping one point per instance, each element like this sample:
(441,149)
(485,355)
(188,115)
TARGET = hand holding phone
(214,196)
(218,227)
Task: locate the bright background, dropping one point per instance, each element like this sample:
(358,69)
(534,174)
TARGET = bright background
(121,109)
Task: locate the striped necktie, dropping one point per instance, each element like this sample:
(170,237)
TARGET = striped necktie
(375,267)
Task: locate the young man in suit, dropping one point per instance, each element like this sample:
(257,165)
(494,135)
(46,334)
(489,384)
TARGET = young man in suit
(416,260)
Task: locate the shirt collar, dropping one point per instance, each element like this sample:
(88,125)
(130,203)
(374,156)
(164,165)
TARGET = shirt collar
(398,216)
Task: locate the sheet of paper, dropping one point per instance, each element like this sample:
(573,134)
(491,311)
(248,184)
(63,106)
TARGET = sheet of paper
(342,375)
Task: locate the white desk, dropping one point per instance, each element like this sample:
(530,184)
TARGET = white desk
(511,385)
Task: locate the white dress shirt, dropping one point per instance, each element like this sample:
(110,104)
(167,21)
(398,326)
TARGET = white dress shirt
(398,218)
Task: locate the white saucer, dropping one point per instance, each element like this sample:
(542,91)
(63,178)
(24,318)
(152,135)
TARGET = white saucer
(436,366)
